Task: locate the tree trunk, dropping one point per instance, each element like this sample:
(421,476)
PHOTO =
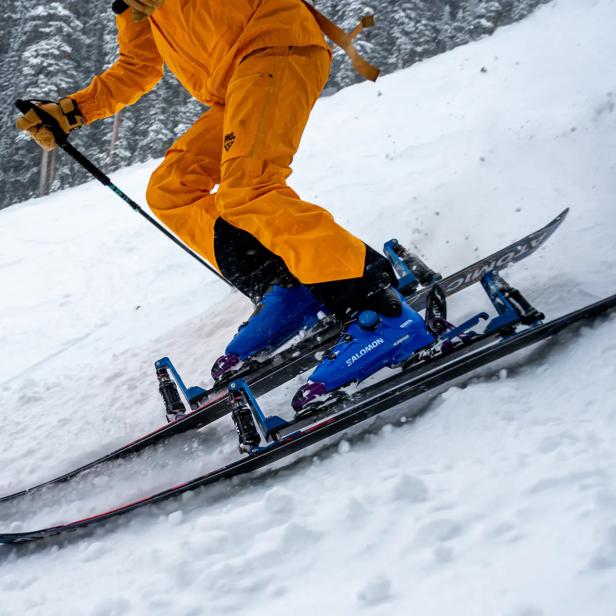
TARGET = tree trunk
(42,187)
(52,169)
(115,136)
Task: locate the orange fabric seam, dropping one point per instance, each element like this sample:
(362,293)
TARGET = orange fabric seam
(259,135)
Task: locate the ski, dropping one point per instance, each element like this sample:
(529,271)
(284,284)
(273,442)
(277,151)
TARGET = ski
(209,405)
(346,413)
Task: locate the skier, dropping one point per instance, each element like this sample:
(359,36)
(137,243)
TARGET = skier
(260,66)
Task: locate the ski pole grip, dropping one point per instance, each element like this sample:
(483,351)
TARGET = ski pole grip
(24,106)
(46,119)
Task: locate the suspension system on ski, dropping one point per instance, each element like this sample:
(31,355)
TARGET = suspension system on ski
(411,270)
(512,307)
(168,382)
(243,420)
(436,311)
(174,407)
(245,410)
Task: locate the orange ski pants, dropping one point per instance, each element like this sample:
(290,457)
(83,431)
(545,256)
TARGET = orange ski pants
(246,146)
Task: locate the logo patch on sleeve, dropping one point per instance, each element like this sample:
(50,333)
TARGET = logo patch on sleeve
(229,141)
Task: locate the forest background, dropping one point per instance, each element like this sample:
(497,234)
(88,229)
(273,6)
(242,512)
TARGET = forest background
(50,49)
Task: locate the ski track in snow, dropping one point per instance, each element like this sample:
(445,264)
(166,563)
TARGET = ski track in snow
(498,500)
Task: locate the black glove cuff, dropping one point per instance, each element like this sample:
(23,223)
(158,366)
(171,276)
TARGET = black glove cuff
(73,116)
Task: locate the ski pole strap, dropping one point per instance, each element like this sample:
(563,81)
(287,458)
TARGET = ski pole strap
(345,41)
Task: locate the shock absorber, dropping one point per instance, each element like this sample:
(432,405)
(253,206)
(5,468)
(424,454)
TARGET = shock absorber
(420,270)
(529,315)
(512,307)
(436,311)
(244,422)
(174,407)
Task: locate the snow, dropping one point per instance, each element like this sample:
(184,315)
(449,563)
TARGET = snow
(497,500)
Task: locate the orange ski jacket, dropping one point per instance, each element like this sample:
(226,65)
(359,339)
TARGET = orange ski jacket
(201,42)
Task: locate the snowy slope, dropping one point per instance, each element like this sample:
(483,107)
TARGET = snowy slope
(500,500)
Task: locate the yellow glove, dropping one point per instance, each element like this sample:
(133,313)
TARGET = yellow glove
(142,9)
(66,113)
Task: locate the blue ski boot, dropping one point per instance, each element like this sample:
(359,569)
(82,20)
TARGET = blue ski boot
(282,312)
(371,341)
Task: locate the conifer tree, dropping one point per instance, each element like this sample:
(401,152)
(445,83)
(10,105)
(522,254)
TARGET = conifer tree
(49,49)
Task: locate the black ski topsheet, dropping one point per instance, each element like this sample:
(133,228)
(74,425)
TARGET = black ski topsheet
(365,404)
(291,362)
(496,262)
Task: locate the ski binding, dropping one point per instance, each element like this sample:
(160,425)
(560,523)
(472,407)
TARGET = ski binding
(512,308)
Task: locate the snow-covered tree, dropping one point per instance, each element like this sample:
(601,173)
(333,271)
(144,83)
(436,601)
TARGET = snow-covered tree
(49,49)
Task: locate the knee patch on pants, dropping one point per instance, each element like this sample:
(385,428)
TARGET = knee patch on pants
(245,262)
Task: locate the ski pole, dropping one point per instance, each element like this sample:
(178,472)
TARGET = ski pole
(61,138)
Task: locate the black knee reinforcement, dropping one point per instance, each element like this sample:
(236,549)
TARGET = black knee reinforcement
(248,265)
